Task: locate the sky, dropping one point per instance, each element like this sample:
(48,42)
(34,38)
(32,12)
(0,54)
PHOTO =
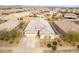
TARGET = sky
(39,2)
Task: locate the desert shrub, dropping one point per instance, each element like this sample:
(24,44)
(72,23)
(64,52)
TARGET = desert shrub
(54,47)
(54,43)
(48,45)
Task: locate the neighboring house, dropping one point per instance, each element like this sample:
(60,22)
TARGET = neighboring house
(21,14)
(9,25)
(70,15)
(66,26)
(15,16)
(8,17)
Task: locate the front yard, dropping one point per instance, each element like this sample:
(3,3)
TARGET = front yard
(70,42)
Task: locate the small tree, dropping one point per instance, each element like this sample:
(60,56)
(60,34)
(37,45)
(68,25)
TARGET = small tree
(21,24)
(21,18)
(72,36)
(4,35)
(15,34)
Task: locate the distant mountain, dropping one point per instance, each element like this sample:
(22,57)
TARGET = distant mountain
(54,6)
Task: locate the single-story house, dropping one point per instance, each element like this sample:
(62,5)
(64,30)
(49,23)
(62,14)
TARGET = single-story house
(41,27)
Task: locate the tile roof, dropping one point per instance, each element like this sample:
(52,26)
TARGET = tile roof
(66,25)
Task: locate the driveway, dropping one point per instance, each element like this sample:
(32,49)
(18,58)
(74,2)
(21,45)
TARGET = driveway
(29,45)
(30,42)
